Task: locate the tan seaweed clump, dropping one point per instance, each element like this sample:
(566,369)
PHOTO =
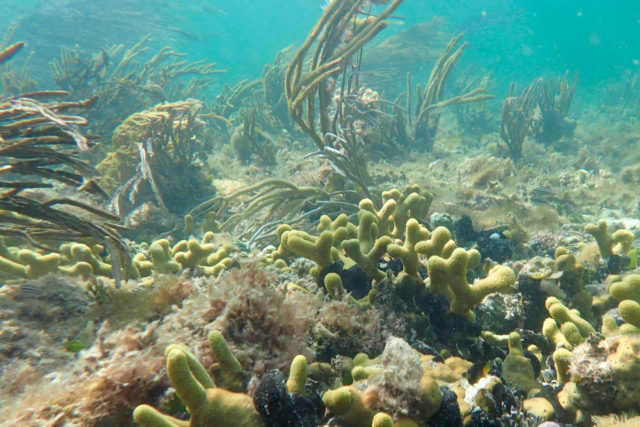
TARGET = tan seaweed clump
(266,327)
(263,323)
(152,149)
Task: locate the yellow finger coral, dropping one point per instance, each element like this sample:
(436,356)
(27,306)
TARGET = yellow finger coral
(449,278)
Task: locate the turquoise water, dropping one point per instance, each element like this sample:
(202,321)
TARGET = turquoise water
(517,39)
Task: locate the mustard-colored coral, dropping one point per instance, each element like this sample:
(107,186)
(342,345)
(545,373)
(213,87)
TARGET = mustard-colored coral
(619,242)
(318,249)
(605,377)
(207,404)
(565,327)
(571,281)
(627,291)
(81,259)
(449,277)
(415,233)
(369,247)
(517,370)
(349,404)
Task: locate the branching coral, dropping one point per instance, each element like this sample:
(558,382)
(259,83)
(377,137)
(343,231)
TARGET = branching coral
(431,98)
(516,119)
(335,41)
(617,243)
(205,400)
(627,292)
(448,276)
(370,242)
(124,84)
(89,261)
(565,327)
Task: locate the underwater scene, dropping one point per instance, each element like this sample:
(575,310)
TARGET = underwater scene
(348,213)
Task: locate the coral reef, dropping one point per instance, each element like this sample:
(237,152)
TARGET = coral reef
(422,265)
(368,243)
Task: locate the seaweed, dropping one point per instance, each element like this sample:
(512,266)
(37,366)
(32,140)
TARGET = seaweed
(125,84)
(40,147)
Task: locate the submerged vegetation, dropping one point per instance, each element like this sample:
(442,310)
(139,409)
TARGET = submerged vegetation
(318,246)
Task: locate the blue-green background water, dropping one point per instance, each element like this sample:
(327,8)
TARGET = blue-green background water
(518,40)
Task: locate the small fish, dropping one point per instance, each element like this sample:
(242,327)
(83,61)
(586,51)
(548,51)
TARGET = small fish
(477,371)
(542,195)
(185,34)
(9,52)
